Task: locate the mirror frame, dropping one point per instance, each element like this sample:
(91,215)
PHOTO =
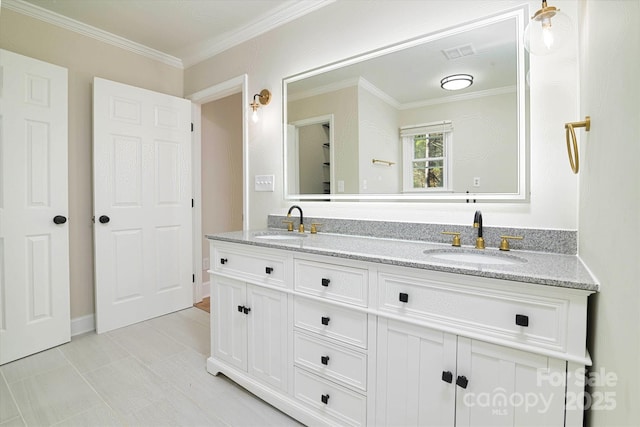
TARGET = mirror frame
(520,14)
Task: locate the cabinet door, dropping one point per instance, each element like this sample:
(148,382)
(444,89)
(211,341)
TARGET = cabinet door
(411,386)
(267,329)
(228,322)
(508,387)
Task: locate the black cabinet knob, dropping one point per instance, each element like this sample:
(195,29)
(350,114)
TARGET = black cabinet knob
(404,297)
(522,320)
(268,270)
(325,320)
(324,360)
(59,219)
(325,282)
(240,308)
(462,381)
(104,219)
(325,398)
(246,310)
(447,377)
(223,261)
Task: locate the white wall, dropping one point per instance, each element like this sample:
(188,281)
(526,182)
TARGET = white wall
(221,163)
(484,135)
(343,104)
(85,58)
(609,215)
(378,138)
(352,27)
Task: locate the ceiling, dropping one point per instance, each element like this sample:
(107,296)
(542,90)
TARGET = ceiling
(407,77)
(182,32)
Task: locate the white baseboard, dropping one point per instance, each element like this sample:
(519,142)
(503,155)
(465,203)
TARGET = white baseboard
(83,324)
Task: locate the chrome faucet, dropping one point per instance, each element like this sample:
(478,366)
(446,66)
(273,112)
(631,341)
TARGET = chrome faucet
(301,226)
(477,223)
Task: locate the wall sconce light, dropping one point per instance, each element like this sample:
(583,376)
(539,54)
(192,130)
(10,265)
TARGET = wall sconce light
(547,30)
(263,98)
(574,157)
(456,81)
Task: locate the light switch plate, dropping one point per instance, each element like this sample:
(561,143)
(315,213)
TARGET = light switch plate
(264,182)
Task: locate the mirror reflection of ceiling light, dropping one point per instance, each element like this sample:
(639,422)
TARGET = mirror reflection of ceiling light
(456,81)
(547,30)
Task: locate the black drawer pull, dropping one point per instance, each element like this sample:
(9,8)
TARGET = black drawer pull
(325,282)
(324,360)
(522,320)
(268,270)
(462,381)
(325,398)
(223,261)
(240,308)
(447,377)
(404,297)
(246,310)
(325,320)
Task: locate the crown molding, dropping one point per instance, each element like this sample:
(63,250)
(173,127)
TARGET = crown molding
(288,12)
(89,31)
(460,97)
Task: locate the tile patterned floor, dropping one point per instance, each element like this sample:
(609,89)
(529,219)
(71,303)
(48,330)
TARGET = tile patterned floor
(149,374)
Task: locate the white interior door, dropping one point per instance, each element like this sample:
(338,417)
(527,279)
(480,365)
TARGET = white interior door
(34,251)
(142,204)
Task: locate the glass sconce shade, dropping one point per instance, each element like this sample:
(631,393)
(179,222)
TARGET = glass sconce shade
(547,31)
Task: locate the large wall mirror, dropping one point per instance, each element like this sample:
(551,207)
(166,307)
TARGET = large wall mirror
(379,126)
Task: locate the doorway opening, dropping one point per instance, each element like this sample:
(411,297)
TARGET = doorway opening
(220,168)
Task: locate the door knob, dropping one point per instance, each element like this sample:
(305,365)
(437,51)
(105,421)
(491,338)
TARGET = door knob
(59,219)
(104,219)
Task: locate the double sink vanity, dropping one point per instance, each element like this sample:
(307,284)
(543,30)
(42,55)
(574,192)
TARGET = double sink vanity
(338,329)
(375,324)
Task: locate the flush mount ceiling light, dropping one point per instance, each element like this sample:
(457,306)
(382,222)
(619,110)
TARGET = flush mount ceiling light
(547,31)
(263,98)
(456,81)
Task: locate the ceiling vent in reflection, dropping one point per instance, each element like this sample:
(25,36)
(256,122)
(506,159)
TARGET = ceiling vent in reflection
(459,51)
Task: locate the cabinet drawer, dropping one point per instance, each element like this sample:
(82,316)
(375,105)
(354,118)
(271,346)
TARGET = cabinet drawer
(331,281)
(340,323)
(249,264)
(530,319)
(345,406)
(331,361)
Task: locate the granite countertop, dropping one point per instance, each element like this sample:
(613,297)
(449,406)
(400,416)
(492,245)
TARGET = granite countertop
(566,271)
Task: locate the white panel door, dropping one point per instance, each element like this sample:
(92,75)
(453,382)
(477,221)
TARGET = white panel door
(229,321)
(508,387)
(34,251)
(416,375)
(142,204)
(267,335)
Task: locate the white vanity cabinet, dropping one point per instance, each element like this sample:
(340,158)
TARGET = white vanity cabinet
(331,340)
(249,323)
(336,341)
(432,378)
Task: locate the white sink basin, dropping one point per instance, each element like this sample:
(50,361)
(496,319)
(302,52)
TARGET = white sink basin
(286,235)
(474,257)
